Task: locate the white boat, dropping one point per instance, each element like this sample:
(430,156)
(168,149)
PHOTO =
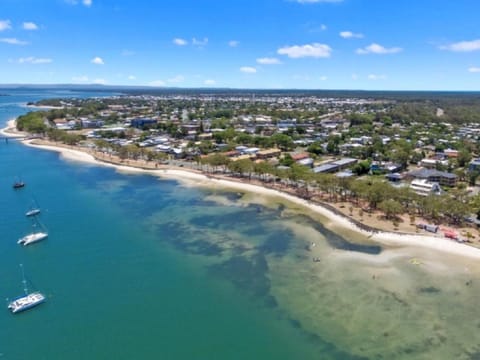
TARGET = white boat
(34,236)
(26,301)
(34,210)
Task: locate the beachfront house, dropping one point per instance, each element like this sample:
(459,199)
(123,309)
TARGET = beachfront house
(335,166)
(268,153)
(424,187)
(433,163)
(441,177)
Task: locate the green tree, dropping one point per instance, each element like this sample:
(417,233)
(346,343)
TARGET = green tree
(361,168)
(243,166)
(315,148)
(391,208)
(287,160)
(464,157)
(283,141)
(333,145)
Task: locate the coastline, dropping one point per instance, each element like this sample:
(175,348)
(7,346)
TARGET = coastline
(11,130)
(386,238)
(45,107)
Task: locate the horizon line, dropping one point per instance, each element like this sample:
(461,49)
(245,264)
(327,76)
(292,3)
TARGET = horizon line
(217,88)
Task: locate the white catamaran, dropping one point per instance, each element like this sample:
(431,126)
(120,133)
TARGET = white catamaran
(34,236)
(26,301)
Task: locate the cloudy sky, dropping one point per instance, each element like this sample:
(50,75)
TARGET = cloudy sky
(310,44)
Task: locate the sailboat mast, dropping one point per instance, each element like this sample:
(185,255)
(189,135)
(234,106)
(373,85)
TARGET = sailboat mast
(24,281)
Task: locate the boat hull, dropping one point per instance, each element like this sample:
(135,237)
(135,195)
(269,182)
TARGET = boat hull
(26,302)
(32,212)
(32,238)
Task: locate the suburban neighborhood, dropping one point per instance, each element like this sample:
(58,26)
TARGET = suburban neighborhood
(409,156)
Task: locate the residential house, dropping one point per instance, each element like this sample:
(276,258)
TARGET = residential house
(268,153)
(474,165)
(335,166)
(441,177)
(432,163)
(424,187)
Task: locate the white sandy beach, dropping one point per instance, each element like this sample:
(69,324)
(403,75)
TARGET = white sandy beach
(385,238)
(11,130)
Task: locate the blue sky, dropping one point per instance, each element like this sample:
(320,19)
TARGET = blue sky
(305,44)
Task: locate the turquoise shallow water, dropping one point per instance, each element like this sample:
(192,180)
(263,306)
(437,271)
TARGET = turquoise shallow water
(136,267)
(115,288)
(118,285)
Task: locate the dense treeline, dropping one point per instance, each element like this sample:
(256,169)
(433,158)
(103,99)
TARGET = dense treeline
(367,194)
(32,122)
(455,110)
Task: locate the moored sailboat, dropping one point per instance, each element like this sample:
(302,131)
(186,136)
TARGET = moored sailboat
(33,210)
(34,236)
(18,184)
(26,301)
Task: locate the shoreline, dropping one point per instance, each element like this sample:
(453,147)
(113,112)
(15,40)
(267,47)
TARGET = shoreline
(10,131)
(44,107)
(391,239)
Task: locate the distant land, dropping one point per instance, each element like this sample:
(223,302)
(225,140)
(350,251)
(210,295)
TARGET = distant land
(150,90)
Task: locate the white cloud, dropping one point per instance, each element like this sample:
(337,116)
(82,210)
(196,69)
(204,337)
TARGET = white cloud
(209,82)
(354,77)
(376,77)
(233,43)
(248,70)
(30,26)
(317,1)
(81,78)
(132,77)
(350,35)
(157,83)
(180,42)
(378,49)
(34,60)
(474,69)
(177,79)
(323,78)
(203,42)
(309,50)
(87,3)
(5,25)
(268,61)
(97,60)
(100,81)
(13,41)
(463,46)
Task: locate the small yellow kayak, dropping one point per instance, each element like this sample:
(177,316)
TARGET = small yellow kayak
(415,261)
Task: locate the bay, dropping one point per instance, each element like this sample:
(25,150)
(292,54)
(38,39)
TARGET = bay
(141,267)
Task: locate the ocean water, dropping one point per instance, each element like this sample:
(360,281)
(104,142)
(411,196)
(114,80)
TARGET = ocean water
(139,267)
